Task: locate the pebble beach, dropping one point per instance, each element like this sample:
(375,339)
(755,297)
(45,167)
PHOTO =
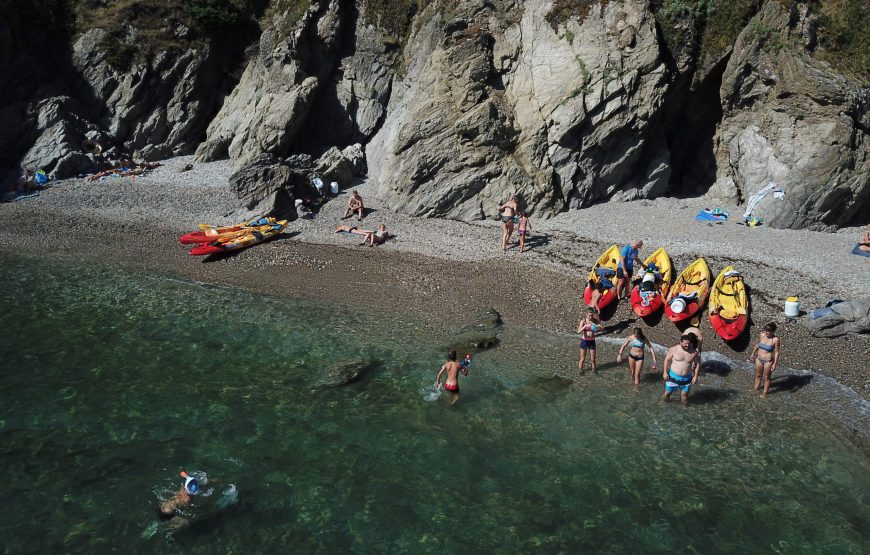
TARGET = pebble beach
(445,270)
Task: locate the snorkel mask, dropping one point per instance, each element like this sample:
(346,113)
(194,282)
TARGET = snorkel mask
(191,484)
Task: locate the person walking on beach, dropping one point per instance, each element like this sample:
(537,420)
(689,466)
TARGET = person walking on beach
(524,226)
(638,342)
(624,270)
(588,328)
(765,355)
(681,367)
(355,205)
(451,383)
(508,212)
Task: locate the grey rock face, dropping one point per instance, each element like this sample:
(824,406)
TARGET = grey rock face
(791,120)
(493,106)
(846,318)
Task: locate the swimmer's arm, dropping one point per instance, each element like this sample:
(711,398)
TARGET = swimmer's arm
(696,367)
(438,377)
(651,351)
(624,343)
(775,356)
(667,364)
(754,351)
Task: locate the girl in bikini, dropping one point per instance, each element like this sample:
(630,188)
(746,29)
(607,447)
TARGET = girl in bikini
(508,212)
(636,342)
(524,226)
(588,328)
(765,356)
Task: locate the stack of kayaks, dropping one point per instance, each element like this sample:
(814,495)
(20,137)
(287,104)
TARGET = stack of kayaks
(689,292)
(208,233)
(645,303)
(604,274)
(215,240)
(729,304)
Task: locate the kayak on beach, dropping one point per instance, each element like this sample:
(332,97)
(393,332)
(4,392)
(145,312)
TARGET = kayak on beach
(729,304)
(252,236)
(645,303)
(208,233)
(689,292)
(603,274)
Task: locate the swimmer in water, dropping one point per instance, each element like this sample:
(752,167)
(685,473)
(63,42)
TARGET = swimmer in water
(170,509)
(638,342)
(451,383)
(765,356)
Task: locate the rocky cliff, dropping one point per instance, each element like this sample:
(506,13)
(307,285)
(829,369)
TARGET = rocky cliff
(459,104)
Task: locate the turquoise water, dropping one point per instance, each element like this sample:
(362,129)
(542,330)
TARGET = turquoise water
(113,382)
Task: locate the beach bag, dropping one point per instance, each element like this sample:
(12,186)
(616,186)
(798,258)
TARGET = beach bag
(40,177)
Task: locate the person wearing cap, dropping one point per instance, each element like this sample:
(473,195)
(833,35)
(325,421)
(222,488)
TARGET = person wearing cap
(624,270)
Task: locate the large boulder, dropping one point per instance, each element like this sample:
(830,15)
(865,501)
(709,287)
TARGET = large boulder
(851,317)
(791,120)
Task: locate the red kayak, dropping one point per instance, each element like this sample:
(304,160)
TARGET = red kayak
(214,233)
(250,236)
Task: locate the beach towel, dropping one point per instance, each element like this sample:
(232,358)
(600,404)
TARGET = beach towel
(646,297)
(857,250)
(756,198)
(604,272)
(40,177)
(606,283)
(707,215)
(26,195)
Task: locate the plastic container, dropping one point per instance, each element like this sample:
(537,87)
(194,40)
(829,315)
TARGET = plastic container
(792,307)
(333,187)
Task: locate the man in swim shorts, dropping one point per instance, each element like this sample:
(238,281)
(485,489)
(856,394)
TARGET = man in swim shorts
(681,367)
(451,384)
(625,269)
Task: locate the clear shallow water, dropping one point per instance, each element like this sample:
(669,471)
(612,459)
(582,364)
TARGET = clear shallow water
(113,382)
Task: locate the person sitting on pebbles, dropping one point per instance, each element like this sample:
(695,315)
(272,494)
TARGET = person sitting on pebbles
(371,238)
(356,206)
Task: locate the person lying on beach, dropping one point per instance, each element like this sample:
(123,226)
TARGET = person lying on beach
(371,237)
(638,342)
(864,243)
(681,367)
(765,356)
(451,383)
(124,167)
(524,226)
(356,206)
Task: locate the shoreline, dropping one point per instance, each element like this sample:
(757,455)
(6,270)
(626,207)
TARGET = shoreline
(441,269)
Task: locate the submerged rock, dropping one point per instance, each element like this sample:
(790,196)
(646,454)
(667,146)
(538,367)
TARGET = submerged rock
(480,335)
(345,372)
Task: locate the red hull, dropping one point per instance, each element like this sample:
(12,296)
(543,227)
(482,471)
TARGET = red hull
(692,308)
(201,237)
(203,250)
(645,310)
(605,299)
(728,329)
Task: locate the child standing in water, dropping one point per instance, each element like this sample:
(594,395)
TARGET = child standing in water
(451,384)
(588,329)
(638,343)
(524,226)
(765,356)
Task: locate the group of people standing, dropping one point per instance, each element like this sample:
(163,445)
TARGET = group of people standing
(512,215)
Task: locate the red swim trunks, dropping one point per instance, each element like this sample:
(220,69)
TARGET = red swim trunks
(451,387)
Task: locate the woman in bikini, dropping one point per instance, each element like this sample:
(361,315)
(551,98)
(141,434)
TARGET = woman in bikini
(508,212)
(376,237)
(765,356)
(588,329)
(636,342)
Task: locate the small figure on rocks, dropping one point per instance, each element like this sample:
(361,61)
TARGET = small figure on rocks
(524,226)
(765,355)
(508,213)
(356,206)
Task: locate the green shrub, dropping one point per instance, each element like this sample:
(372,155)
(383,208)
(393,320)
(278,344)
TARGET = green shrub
(844,35)
(394,17)
(215,13)
(563,10)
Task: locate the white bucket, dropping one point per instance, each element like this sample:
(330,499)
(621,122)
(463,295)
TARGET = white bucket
(334,187)
(792,307)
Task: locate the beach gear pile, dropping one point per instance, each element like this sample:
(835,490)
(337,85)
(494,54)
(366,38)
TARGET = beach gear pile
(728,308)
(221,239)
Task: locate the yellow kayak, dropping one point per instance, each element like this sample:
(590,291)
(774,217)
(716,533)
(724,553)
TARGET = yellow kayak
(603,273)
(729,304)
(253,236)
(689,292)
(645,303)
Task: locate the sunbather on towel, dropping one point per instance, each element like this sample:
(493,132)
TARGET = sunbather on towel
(864,243)
(371,238)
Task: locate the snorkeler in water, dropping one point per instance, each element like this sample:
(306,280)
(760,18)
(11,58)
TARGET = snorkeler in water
(171,509)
